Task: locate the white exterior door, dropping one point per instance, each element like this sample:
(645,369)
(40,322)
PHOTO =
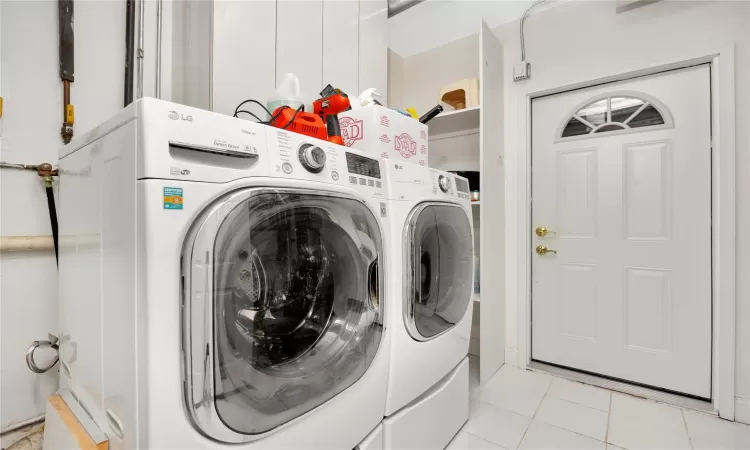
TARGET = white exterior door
(621,180)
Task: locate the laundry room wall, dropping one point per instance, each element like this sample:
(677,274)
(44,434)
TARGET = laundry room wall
(228,51)
(32,118)
(580,41)
(424,74)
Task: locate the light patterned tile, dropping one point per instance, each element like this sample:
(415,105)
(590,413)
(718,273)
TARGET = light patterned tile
(497,425)
(520,391)
(636,423)
(710,432)
(573,417)
(580,393)
(640,409)
(467,441)
(542,436)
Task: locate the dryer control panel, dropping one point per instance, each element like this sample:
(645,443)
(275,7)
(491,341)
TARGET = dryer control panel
(292,155)
(446,184)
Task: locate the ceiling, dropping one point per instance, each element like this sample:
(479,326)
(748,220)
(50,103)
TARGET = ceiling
(433,23)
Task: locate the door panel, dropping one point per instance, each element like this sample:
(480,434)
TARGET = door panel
(624,185)
(647,201)
(576,193)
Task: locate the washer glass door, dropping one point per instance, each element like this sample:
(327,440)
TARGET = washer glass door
(296,312)
(439,276)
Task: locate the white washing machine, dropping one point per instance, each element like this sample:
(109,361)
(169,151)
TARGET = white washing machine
(221,284)
(428,383)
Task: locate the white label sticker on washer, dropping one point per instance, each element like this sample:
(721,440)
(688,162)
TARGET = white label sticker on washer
(383,212)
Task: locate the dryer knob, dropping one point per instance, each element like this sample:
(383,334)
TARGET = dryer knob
(444,183)
(312,158)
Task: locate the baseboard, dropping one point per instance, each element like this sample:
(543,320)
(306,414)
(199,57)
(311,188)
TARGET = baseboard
(511,356)
(742,410)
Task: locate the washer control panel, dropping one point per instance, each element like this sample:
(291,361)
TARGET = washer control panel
(293,155)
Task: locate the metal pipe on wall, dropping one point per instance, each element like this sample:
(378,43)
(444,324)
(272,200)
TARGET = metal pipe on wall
(26,243)
(47,243)
(67,64)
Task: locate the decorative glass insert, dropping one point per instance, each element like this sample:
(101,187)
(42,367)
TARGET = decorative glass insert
(614,113)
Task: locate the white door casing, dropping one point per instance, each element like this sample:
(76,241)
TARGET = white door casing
(628,295)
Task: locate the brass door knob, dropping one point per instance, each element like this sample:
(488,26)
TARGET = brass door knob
(542,250)
(541,231)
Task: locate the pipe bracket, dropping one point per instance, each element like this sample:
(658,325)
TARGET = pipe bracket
(52,343)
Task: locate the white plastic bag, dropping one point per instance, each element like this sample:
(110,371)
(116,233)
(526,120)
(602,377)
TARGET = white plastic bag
(287,94)
(366,98)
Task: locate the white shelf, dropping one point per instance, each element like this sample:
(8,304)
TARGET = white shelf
(463,120)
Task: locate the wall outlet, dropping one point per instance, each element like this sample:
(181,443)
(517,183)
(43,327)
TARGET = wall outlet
(522,71)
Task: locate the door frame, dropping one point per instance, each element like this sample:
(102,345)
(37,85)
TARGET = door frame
(723,192)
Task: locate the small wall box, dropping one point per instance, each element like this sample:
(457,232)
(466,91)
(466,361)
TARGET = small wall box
(385,133)
(461,94)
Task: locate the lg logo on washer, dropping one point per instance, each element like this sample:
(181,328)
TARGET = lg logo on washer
(174,115)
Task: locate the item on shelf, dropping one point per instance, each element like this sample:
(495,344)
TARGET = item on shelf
(474,196)
(461,94)
(472,176)
(431,114)
(385,133)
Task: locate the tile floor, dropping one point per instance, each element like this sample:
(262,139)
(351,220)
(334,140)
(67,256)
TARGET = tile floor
(529,410)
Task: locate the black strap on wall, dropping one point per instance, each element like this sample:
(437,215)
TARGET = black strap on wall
(53,219)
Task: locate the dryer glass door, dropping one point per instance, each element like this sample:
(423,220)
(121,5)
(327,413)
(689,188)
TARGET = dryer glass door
(440,272)
(296,313)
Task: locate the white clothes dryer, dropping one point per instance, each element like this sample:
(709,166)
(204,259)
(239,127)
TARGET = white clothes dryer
(428,382)
(222,283)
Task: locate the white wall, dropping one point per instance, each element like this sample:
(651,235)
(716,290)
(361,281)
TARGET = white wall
(434,23)
(253,44)
(424,74)
(581,41)
(417,81)
(395,78)
(32,118)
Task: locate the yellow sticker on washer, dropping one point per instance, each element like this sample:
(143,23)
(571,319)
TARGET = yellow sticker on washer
(172,198)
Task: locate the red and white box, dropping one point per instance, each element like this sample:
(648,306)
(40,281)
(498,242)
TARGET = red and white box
(385,133)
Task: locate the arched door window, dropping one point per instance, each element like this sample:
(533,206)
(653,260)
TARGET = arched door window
(619,112)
